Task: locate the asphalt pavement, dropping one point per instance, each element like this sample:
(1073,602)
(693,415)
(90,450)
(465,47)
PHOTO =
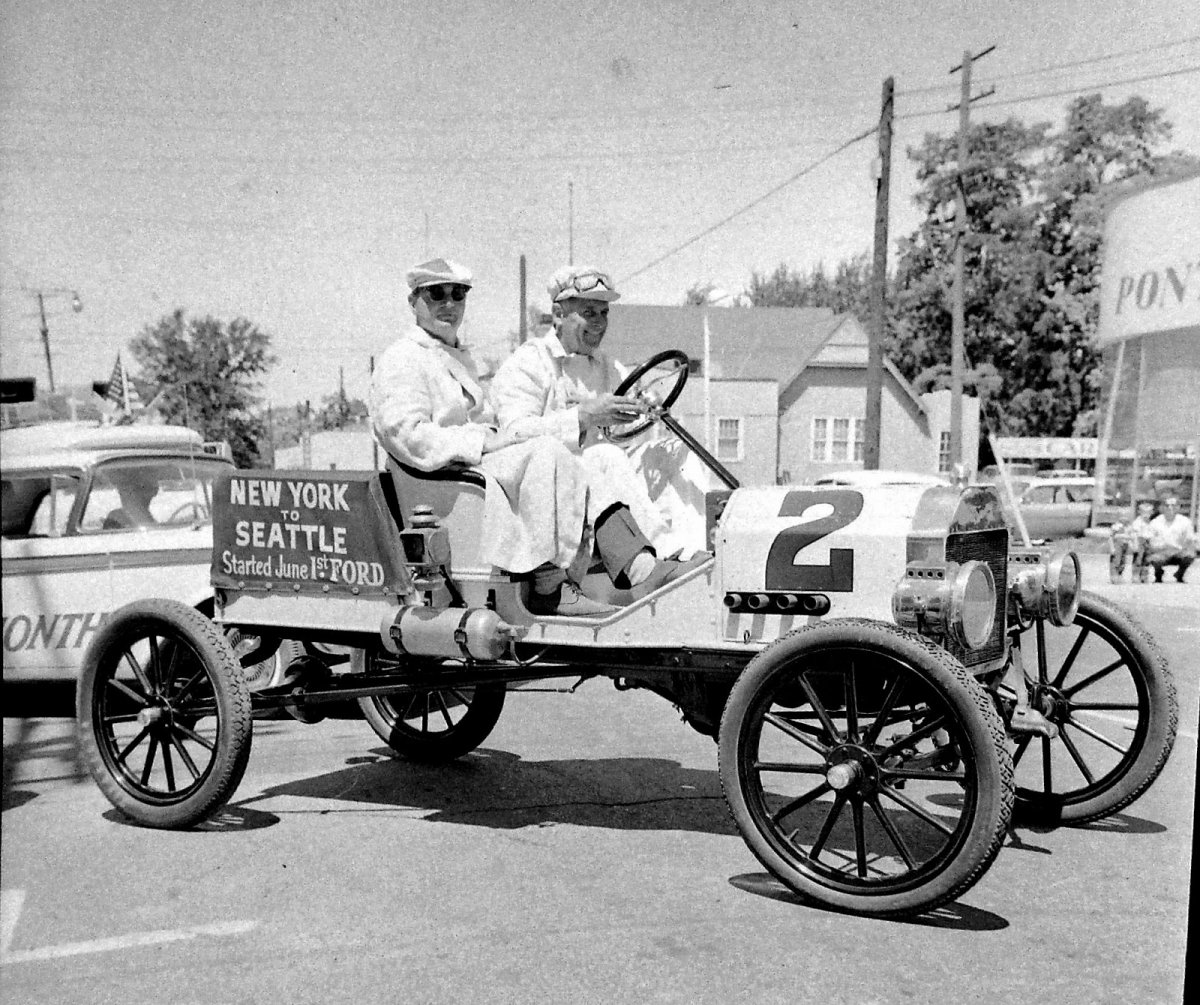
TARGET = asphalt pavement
(583,854)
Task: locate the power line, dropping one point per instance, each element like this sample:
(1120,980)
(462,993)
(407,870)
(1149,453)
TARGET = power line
(750,205)
(1056,67)
(1025,98)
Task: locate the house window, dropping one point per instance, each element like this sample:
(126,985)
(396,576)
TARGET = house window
(729,439)
(820,438)
(838,438)
(944,451)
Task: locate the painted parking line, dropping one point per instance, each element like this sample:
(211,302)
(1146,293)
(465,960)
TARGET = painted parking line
(11,902)
(132,940)
(1129,724)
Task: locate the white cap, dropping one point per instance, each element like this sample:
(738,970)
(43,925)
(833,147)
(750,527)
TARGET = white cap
(582,281)
(437,270)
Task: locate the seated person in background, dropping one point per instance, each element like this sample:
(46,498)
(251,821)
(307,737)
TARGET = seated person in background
(429,411)
(1172,541)
(1131,541)
(136,490)
(560,384)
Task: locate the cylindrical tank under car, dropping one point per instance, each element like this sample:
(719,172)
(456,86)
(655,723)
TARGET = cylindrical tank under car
(465,632)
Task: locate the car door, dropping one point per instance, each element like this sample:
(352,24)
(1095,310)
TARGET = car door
(53,580)
(1038,510)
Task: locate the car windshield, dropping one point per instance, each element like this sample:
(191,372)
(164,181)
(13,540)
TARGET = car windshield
(131,495)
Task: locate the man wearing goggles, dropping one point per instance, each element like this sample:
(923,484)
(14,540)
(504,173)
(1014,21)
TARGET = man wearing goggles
(429,411)
(560,385)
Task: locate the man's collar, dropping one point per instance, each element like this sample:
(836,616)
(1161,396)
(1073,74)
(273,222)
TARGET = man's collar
(559,351)
(422,337)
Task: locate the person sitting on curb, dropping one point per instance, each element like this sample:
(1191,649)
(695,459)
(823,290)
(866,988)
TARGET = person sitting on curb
(541,508)
(1131,541)
(1172,541)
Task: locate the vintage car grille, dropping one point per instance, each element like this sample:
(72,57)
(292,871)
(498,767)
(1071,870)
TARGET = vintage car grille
(990,546)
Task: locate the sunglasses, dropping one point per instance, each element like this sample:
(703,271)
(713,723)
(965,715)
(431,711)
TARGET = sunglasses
(438,293)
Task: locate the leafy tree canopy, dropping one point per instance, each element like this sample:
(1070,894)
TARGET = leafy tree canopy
(1035,201)
(206,374)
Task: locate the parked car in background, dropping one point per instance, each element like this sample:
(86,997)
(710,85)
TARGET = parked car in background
(1052,507)
(857,478)
(95,517)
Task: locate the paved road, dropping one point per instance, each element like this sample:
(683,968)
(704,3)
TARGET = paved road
(583,855)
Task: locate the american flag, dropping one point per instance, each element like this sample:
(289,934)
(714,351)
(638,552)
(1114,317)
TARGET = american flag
(121,390)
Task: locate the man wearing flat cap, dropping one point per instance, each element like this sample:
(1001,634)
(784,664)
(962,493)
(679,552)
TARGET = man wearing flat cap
(560,385)
(429,411)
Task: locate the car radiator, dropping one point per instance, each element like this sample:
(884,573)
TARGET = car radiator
(990,546)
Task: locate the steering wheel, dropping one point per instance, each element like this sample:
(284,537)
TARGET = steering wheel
(199,513)
(636,386)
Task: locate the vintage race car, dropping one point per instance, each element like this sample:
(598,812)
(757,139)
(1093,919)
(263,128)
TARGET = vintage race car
(855,652)
(71,553)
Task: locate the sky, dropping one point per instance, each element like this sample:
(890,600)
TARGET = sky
(286,162)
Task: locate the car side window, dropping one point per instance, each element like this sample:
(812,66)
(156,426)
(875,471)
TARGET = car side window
(148,495)
(52,505)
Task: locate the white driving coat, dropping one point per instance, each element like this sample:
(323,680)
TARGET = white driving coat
(429,411)
(537,392)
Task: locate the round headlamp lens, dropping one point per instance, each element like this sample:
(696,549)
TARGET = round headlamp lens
(976,605)
(1063,579)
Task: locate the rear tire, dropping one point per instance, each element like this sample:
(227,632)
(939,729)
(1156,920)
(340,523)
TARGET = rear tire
(163,714)
(435,726)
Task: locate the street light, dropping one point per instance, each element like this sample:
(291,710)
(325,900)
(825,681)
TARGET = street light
(76,306)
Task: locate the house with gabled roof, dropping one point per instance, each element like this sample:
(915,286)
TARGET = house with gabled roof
(778,394)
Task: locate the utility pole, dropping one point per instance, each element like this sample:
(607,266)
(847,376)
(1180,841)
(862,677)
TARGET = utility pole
(957,352)
(40,295)
(523,323)
(46,339)
(879,283)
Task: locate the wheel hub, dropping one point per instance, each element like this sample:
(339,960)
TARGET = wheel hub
(850,768)
(151,716)
(1052,703)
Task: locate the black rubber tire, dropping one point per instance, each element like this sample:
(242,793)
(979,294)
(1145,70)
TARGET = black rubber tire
(432,727)
(1139,688)
(801,685)
(186,699)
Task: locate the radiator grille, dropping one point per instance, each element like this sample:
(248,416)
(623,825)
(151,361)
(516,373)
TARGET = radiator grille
(990,546)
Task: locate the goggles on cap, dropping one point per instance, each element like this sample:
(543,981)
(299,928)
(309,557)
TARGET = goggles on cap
(440,291)
(585,282)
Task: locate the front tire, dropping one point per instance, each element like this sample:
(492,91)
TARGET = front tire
(435,726)
(865,768)
(1107,686)
(163,714)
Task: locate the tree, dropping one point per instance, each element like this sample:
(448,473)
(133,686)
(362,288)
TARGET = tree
(207,374)
(848,291)
(1035,203)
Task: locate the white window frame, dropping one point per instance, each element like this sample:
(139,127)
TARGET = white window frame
(944,461)
(820,441)
(818,449)
(740,450)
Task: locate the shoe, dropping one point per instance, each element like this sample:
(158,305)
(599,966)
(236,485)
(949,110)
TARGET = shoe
(568,601)
(666,570)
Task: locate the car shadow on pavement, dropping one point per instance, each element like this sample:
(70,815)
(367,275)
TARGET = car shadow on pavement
(496,788)
(950,916)
(34,756)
